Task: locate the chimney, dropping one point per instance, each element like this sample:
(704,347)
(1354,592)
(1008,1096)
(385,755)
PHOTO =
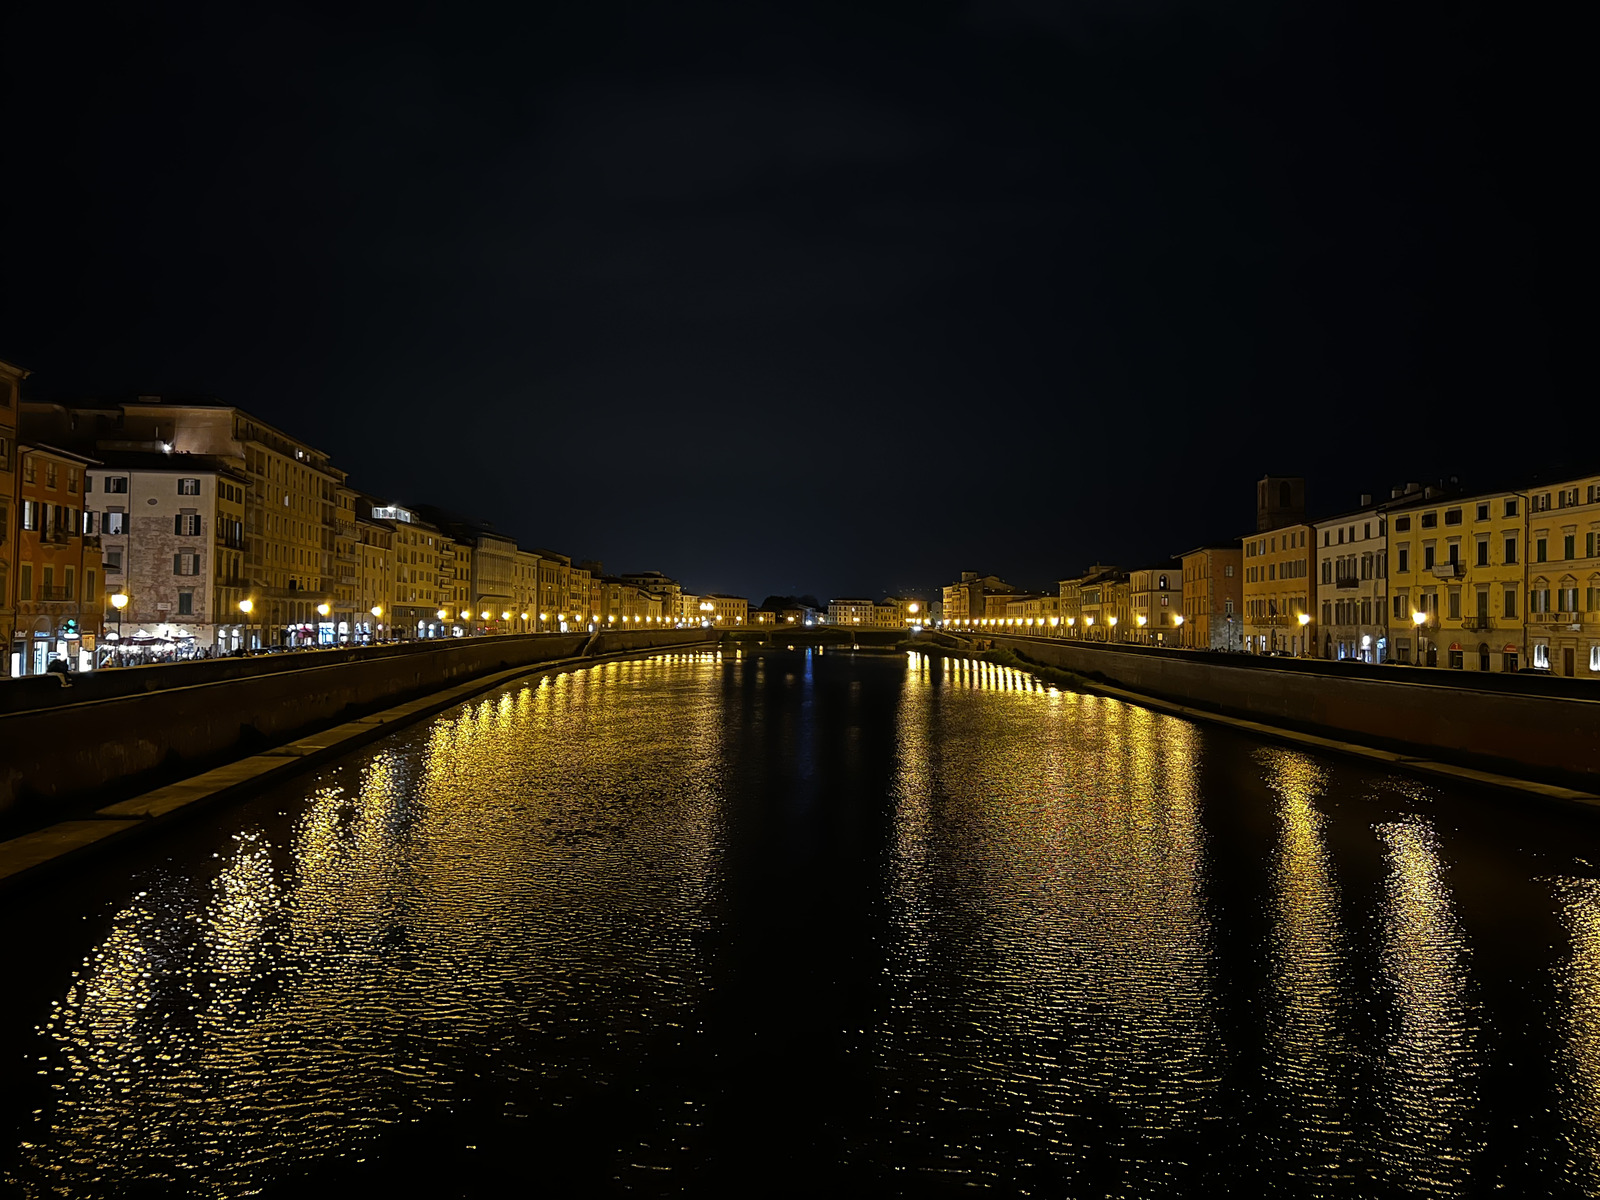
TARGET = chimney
(1412,488)
(1394,492)
(1366,499)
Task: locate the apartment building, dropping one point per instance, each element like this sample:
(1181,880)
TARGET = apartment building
(1155,602)
(1563,565)
(1457,572)
(58,596)
(171,530)
(290,504)
(1353,584)
(1213,597)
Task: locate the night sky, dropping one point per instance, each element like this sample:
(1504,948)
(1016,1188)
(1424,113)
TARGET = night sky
(838,299)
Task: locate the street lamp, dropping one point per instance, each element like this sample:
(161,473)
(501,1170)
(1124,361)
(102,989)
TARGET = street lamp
(1177,622)
(246,606)
(1304,619)
(1418,618)
(119,601)
(372,634)
(1112,622)
(1143,620)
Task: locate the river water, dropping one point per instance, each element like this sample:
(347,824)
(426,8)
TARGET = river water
(765,924)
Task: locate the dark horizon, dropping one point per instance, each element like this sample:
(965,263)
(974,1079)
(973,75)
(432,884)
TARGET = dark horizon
(735,294)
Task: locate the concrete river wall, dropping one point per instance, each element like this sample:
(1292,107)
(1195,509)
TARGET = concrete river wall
(138,726)
(1530,727)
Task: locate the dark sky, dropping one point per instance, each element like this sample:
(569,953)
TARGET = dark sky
(828,298)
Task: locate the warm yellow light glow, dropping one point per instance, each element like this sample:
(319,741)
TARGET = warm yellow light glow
(911,608)
(440,614)
(1054,621)
(1304,619)
(1417,618)
(245,606)
(323,610)
(544,616)
(377,610)
(505,616)
(119,600)
(1141,621)
(524,616)
(1074,620)
(1112,621)
(1088,620)
(1177,618)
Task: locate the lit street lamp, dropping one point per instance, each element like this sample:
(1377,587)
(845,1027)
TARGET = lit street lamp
(247,606)
(119,601)
(1304,619)
(372,634)
(1418,618)
(1177,621)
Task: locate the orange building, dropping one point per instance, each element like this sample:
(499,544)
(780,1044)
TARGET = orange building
(59,599)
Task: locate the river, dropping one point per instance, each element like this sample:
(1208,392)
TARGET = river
(771,923)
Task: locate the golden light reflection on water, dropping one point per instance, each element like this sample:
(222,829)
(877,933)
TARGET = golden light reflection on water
(1311,1125)
(1054,849)
(1579,980)
(521,875)
(1429,1092)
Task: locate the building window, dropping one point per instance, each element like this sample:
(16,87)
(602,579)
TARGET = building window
(30,515)
(1427,556)
(1541,654)
(1402,524)
(1511,551)
(1430,520)
(1403,562)
(1511,508)
(117,483)
(186,563)
(1594,656)
(1569,545)
(186,604)
(1483,512)
(1455,604)
(113,561)
(1511,602)
(1483,552)
(188,487)
(1539,550)
(1452,516)
(115,523)
(186,524)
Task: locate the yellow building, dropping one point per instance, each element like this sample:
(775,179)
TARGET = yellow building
(1458,562)
(374,579)
(1280,591)
(728,611)
(1564,577)
(347,612)
(1155,601)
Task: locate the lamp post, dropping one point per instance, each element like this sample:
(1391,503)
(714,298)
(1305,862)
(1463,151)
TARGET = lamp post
(1305,620)
(246,606)
(1111,623)
(119,601)
(372,634)
(324,610)
(1418,618)
(1177,620)
(1142,622)
(1230,632)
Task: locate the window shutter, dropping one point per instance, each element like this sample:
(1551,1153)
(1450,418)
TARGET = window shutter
(177,564)
(177,524)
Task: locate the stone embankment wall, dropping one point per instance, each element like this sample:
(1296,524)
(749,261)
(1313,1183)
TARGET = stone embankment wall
(140,725)
(1532,727)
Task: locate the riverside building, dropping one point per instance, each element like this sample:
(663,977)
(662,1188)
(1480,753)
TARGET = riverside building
(1457,571)
(1563,558)
(1352,581)
(1279,587)
(172,542)
(1212,597)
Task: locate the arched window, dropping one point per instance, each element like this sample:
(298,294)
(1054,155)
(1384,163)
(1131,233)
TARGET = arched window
(1161,583)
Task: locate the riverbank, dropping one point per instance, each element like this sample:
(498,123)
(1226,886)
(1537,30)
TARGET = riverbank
(1414,763)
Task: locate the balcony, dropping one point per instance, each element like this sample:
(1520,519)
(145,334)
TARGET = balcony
(1477,624)
(1448,570)
(55,595)
(1573,620)
(1346,582)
